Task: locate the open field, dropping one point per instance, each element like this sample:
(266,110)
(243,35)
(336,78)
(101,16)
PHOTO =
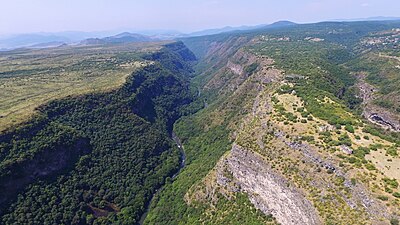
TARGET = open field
(29,78)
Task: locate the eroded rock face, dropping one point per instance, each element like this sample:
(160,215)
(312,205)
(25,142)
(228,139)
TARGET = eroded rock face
(372,112)
(267,190)
(385,122)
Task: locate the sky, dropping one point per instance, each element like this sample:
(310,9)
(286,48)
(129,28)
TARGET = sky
(27,16)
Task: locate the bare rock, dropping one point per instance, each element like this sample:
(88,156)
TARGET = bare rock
(269,191)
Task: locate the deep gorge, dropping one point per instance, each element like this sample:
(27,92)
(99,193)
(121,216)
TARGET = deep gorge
(127,155)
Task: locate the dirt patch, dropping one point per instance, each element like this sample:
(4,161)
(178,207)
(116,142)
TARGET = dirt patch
(97,212)
(388,165)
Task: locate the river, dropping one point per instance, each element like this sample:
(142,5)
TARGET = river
(181,166)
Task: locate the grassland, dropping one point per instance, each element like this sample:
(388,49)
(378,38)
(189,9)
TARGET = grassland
(29,78)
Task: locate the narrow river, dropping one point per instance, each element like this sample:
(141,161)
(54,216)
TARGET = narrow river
(181,166)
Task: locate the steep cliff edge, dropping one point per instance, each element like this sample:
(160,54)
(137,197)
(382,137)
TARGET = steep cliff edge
(280,140)
(246,171)
(131,154)
(267,190)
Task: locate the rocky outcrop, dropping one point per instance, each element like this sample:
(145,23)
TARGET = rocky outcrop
(236,68)
(232,74)
(360,197)
(372,112)
(384,120)
(267,190)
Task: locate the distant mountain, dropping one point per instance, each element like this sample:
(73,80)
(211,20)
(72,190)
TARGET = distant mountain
(376,18)
(223,30)
(125,37)
(93,41)
(31,40)
(283,23)
(26,40)
(241,28)
(76,36)
(42,40)
(48,44)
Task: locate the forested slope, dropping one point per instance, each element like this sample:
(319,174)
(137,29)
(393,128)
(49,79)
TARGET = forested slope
(289,125)
(282,137)
(97,158)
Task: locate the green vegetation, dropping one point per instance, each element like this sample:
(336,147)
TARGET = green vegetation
(394,221)
(206,138)
(251,68)
(204,145)
(383,197)
(236,212)
(349,128)
(392,151)
(128,159)
(384,134)
(391,182)
(203,150)
(30,78)
(360,152)
(396,194)
(96,157)
(381,71)
(321,76)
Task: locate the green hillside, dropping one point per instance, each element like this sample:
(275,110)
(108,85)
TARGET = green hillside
(300,82)
(289,124)
(97,157)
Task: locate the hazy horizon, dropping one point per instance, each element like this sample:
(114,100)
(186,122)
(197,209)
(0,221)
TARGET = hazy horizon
(23,16)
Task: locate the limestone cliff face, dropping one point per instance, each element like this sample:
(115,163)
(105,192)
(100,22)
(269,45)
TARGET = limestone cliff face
(267,190)
(294,181)
(287,159)
(242,170)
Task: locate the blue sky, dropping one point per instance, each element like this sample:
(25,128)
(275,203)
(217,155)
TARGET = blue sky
(23,16)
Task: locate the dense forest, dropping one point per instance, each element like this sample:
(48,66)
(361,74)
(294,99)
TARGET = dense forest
(97,158)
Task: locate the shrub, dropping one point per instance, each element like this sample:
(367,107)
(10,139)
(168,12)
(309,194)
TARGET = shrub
(394,221)
(345,140)
(388,190)
(285,89)
(396,194)
(383,198)
(274,99)
(392,151)
(251,68)
(360,152)
(391,182)
(370,166)
(349,128)
(352,160)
